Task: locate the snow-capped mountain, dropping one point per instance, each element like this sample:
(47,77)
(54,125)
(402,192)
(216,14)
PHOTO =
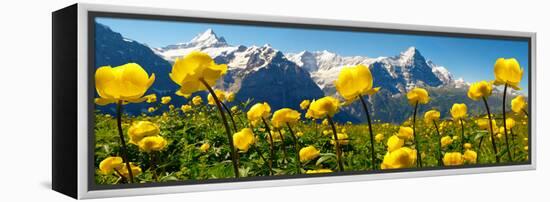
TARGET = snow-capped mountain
(207,42)
(396,74)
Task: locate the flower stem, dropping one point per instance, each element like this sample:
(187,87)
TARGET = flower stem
(230,116)
(227,129)
(123,179)
(439,141)
(462,136)
(525,112)
(271,147)
(373,154)
(336,144)
(419,162)
(123,147)
(497,158)
(153,159)
(504,120)
(296,149)
(283,146)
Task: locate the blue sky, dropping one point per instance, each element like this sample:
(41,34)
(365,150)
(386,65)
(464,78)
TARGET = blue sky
(472,59)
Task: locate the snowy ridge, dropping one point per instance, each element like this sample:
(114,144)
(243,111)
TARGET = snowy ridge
(401,72)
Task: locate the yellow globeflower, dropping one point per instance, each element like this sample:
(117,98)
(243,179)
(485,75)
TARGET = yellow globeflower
(518,104)
(186,108)
(308,153)
(110,164)
(151,109)
(317,171)
(453,159)
(204,147)
(142,129)
(394,143)
(343,139)
(467,146)
(510,123)
(355,81)
(470,156)
(230,96)
(136,170)
(508,71)
(151,98)
(197,100)
(127,83)
(403,157)
(479,90)
(152,143)
(418,95)
(431,116)
(379,137)
(195,68)
(324,122)
(459,111)
(405,133)
(234,109)
(165,99)
(258,112)
(299,134)
(244,139)
(483,123)
(304,104)
(326,106)
(446,141)
(285,116)
(219,93)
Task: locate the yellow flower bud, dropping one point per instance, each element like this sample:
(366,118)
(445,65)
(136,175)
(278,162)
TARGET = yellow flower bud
(453,159)
(446,141)
(152,143)
(197,100)
(431,116)
(165,99)
(110,164)
(394,143)
(304,104)
(326,106)
(379,137)
(470,156)
(136,170)
(111,84)
(418,95)
(186,108)
(142,129)
(508,71)
(204,147)
(285,116)
(244,139)
(459,111)
(195,68)
(518,104)
(480,89)
(403,157)
(355,81)
(343,139)
(405,133)
(308,153)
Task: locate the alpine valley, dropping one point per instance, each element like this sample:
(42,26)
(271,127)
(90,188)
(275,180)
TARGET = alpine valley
(263,73)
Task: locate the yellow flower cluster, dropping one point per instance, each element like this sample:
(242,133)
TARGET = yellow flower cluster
(146,135)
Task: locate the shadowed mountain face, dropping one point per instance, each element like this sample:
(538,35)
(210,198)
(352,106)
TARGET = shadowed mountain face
(265,74)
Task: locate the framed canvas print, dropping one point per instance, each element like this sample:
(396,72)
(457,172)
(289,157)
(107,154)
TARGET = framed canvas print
(150,101)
